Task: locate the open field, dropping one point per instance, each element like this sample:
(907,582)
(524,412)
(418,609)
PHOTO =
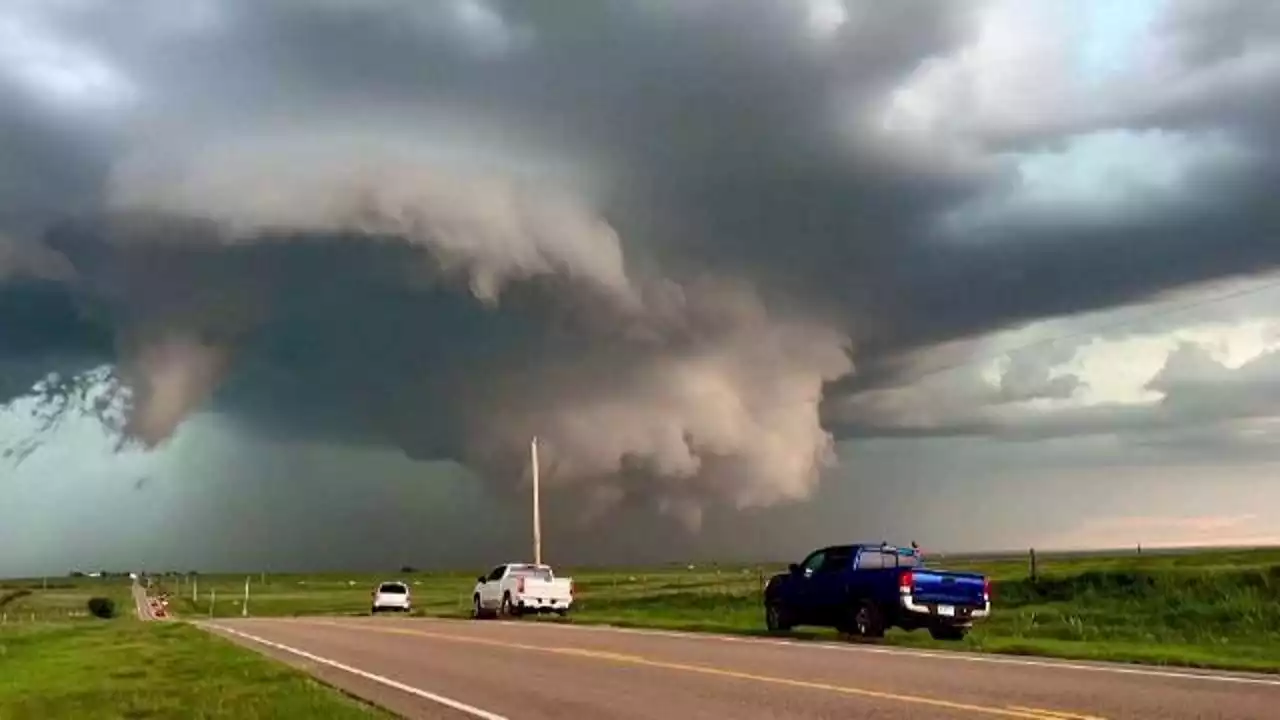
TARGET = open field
(59,598)
(1217,608)
(124,668)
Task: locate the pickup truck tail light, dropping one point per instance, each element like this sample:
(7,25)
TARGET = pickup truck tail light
(906,581)
(571,588)
(986,589)
(519,585)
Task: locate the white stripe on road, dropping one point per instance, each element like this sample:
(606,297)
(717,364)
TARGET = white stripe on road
(938,655)
(440,699)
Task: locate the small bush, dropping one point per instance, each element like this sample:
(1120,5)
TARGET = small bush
(102,607)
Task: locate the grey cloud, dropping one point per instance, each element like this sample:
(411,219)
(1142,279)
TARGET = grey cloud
(286,228)
(1028,380)
(1213,32)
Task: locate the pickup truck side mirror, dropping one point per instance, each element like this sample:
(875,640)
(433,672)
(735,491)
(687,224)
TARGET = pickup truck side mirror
(481,579)
(794,568)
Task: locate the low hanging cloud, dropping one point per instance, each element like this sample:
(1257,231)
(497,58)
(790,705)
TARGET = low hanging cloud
(694,384)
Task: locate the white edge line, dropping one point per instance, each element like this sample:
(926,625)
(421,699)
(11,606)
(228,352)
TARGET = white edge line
(442,700)
(942,655)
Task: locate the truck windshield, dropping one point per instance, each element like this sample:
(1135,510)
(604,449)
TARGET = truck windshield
(393,589)
(530,571)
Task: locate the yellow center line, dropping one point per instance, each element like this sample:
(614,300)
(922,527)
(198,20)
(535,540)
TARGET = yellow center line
(1024,713)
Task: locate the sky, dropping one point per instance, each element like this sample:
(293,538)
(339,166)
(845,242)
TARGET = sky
(290,285)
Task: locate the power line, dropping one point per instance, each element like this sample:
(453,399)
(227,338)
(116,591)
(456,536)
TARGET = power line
(1163,312)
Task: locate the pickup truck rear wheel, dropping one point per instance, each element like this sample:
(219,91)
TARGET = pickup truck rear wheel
(868,622)
(775,617)
(508,609)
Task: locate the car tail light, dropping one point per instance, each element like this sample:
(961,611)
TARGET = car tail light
(905,582)
(520,585)
(986,589)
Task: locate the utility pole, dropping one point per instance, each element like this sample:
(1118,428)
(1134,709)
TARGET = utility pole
(244,608)
(537,500)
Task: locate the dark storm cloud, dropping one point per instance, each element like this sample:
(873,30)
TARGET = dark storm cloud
(282,237)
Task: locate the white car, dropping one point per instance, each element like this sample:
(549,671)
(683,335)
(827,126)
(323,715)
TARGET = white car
(518,588)
(391,596)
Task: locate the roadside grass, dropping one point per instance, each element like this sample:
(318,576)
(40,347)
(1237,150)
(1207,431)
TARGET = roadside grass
(1208,608)
(124,668)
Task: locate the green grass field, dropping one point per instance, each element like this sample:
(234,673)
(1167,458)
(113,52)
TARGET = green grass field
(129,669)
(1199,609)
(57,662)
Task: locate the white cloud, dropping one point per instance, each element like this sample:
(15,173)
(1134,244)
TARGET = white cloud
(1110,371)
(59,71)
(825,18)
(1036,69)
(1014,75)
(484,28)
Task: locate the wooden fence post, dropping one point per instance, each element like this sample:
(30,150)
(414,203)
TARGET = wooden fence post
(1034,575)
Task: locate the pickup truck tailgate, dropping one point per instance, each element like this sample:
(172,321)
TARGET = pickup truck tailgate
(963,589)
(558,589)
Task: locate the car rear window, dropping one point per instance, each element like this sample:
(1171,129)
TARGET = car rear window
(393,589)
(531,571)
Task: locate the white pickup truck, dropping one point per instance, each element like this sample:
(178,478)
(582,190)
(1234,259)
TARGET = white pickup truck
(517,588)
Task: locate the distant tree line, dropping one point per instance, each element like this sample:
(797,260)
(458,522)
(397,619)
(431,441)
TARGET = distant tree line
(114,574)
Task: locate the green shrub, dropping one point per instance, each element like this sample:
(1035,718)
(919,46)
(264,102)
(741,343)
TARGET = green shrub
(102,607)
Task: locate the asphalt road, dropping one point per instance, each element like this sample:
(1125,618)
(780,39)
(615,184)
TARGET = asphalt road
(528,671)
(147,607)
(141,604)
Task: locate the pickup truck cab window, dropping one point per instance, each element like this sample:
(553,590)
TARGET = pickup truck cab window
(814,562)
(837,559)
(497,573)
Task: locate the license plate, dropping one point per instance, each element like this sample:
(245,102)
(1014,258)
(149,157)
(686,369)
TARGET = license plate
(947,610)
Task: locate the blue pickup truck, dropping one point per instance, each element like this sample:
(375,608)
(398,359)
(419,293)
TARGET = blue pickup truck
(863,590)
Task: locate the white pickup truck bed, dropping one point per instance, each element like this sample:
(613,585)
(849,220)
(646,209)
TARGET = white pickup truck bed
(518,588)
